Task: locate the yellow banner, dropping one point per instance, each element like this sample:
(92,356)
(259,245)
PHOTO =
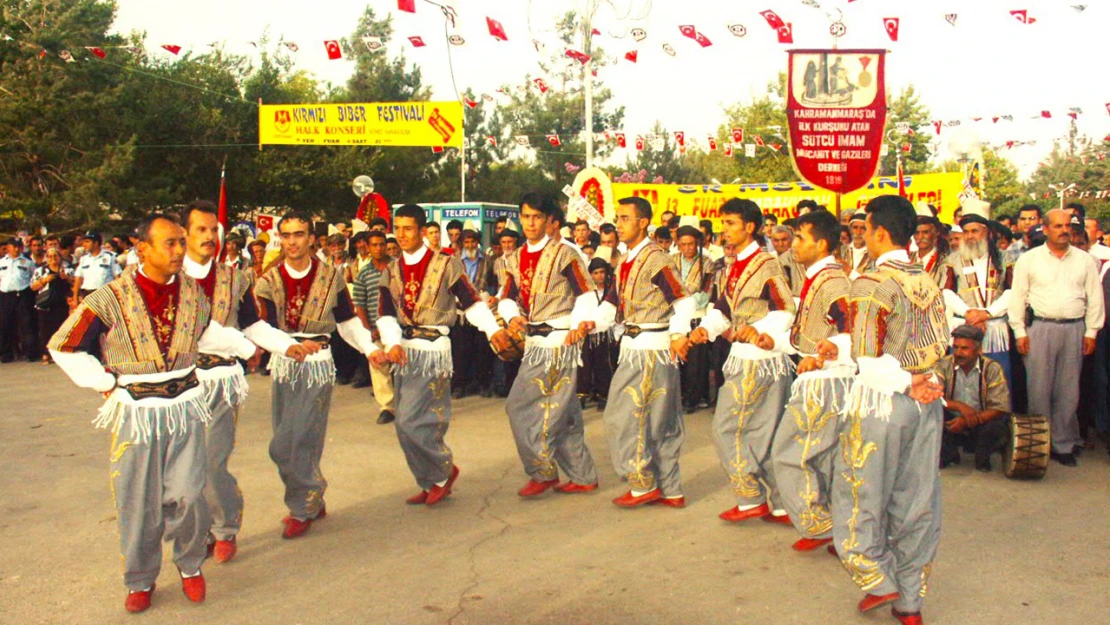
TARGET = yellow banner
(426,124)
(780,198)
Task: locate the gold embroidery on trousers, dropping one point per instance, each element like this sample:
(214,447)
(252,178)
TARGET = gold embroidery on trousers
(745,398)
(865,572)
(549,385)
(925,572)
(642,399)
(439,388)
(855,453)
(116,449)
(811,421)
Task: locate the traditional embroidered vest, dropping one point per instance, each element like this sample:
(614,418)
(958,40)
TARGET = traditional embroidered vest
(937,268)
(317,312)
(700,274)
(641,301)
(435,305)
(829,289)
(231,285)
(898,310)
(130,346)
(967,285)
(746,299)
(551,295)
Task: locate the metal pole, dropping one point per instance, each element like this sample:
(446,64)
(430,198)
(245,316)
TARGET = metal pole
(587,76)
(462,167)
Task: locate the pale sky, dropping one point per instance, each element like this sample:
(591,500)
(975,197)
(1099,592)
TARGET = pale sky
(988,64)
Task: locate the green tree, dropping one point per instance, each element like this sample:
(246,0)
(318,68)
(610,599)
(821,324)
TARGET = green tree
(906,108)
(1001,186)
(1079,160)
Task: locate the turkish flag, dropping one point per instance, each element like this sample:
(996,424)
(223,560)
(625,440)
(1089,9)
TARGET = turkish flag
(680,138)
(437,149)
(906,147)
(334,52)
(1023,16)
(408,6)
(595,31)
(496,29)
(470,103)
(712,144)
(702,40)
(265,222)
(937,125)
(172,49)
(891,26)
(639,143)
(786,34)
(688,31)
(621,141)
(1046,114)
(541,84)
(728,149)
(758,140)
(737,135)
(417,42)
(631,55)
(581,57)
(492,140)
(554,140)
(101,54)
(775,146)
(773,19)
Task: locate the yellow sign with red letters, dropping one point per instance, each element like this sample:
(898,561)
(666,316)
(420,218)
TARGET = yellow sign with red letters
(422,124)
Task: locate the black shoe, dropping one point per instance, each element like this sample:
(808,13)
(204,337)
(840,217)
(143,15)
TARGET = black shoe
(342,380)
(385,417)
(1068,460)
(602,403)
(360,383)
(689,407)
(486,392)
(582,401)
(949,458)
(983,465)
(458,393)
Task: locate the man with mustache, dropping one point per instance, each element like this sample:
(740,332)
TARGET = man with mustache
(932,250)
(978,289)
(136,341)
(231,298)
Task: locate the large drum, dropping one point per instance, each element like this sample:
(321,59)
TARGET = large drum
(1027,449)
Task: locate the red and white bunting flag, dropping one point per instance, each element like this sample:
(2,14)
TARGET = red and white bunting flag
(1023,16)
(758,140)
(1046,114)
(774,146)
(469,103)
(712,141)
(639,143)
(554,140)
(417,42)
(594,31)
(373,44)
(786,34)
(492,140)
(621,141)
(773,19)
(937,124)
(906,147)
(541,84)
(293,47)
(332,46)
(101,54)
(66,56)
(680,138)
(728,149)
(702,40)
(891,26)
(737,135)
(522,141)
(631,55)
(437,149)
(172,49)
(688,31)
(581,57)
(487,97)
(408,6)
(496,30)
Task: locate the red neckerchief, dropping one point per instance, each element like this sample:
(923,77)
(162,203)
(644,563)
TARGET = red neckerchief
(412,277)
(738,267)
(932,261)
(528,263)
(296,294)
(161,303)
(208,282)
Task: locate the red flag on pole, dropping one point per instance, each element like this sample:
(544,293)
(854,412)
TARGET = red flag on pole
(221,214)
(901,180)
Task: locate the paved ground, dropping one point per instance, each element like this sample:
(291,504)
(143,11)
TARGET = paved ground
(1011,553)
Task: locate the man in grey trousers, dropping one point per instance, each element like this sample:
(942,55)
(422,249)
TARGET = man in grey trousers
(1060,283)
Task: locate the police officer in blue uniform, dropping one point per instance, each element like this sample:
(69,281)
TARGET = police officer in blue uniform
(96,268)
(17,304)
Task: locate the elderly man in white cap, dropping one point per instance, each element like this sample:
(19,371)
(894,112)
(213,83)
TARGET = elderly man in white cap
(978,292)
(854,258)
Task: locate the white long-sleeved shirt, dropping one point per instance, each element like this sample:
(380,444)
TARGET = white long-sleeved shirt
(1057,288)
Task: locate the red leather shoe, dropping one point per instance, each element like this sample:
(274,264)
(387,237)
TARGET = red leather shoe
(224,550)
(418,499)
(533,488)
(138,601)
(735,515)
(908,619)
(673,502)
(572,487)
(322,513)
(438,493)
(295,527)
(809,544)
(870,602)
(832,552)
(781,519)
(194,588)
(628,500)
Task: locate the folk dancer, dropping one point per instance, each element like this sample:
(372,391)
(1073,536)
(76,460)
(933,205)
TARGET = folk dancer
(643,416)
(232,302)
(886,491)
(754,307)
(147,328)
(549,296)
(307,299)
(807,438)
(419,293)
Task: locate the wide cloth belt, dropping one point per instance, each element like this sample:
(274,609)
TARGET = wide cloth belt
(1047,320)
(540,330)
(211,361)
(323,340)
(420,332)
(163,390)
(634,331)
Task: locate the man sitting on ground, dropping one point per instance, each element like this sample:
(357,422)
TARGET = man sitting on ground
(977,398)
